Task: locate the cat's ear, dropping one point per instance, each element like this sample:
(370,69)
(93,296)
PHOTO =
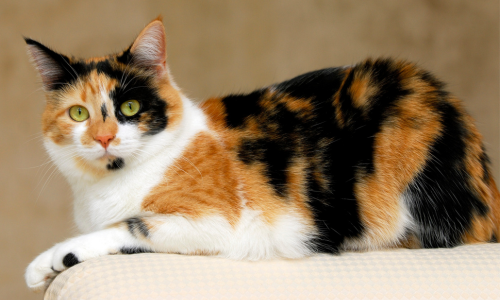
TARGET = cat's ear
(54,68)
(149,48)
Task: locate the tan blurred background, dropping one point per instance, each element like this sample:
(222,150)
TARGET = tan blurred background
(215,47)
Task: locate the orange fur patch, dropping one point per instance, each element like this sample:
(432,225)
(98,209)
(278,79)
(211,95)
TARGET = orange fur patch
(200,183)
(481,231)
(174,103)
(57,125)
(361,90)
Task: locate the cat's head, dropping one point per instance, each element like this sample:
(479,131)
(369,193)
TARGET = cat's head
(104,113)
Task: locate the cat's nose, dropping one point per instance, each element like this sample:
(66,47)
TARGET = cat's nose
(104,140)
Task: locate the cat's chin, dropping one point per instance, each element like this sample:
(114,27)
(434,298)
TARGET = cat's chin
(106,157)
(108,161)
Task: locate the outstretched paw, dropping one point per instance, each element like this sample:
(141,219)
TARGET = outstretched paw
(47,265)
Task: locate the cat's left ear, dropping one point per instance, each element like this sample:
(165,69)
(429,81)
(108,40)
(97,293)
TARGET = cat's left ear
(149,48)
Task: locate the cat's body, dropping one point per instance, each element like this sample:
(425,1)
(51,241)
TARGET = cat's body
(369,156)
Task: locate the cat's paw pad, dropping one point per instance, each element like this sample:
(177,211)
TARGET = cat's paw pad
(40,273)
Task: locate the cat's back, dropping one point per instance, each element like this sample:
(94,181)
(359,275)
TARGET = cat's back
(380,146)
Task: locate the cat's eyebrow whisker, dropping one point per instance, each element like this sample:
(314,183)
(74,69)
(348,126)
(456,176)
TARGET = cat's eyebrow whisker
(135,87)
(126,72)
(75,74)
(131,79)
(123,74)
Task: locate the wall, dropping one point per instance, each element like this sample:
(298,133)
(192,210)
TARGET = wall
(215,47)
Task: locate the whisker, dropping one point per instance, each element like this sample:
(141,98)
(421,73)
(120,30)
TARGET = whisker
(189,161)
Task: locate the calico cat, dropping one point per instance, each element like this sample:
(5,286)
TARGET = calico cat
(370,156)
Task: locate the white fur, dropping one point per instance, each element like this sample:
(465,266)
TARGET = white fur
(252,239)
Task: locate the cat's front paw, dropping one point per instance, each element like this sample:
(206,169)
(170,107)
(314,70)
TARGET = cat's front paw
(47,265)
(40,273)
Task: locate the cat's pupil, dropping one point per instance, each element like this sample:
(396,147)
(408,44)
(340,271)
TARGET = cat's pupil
(130,105)
(79,111)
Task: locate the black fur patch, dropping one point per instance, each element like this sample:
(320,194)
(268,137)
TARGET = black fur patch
(137,223)
(70,260)
(239,107)
(104,112)
(139,88)
(116,164)
(126,57)
(321,84)
(134,250)
(275,156)
(494,239)
(485,162)
(442,203)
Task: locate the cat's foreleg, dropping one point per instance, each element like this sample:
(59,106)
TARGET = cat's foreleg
(156,233)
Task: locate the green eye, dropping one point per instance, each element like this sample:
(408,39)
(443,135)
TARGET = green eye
(78,113)
(130,107)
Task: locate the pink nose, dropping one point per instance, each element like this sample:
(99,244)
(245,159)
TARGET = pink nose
(104,140)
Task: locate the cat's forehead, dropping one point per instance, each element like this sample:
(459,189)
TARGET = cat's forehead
(100,68)
(96,87)
(103,78)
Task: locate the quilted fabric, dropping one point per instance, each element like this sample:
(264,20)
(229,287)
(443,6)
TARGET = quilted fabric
(466,272)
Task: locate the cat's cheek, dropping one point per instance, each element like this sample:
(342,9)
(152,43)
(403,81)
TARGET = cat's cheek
(127,141)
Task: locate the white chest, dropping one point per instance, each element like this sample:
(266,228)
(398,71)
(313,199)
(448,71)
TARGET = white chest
(116,197)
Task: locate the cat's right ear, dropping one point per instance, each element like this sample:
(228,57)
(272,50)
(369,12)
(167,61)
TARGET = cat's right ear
(54,68)
(148,51)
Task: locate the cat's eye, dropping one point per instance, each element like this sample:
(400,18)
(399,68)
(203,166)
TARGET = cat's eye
(78,113)
(130,107)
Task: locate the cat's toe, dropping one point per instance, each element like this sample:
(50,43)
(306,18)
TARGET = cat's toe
(39,273)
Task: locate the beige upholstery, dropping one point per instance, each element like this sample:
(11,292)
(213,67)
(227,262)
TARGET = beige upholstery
(466,272)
